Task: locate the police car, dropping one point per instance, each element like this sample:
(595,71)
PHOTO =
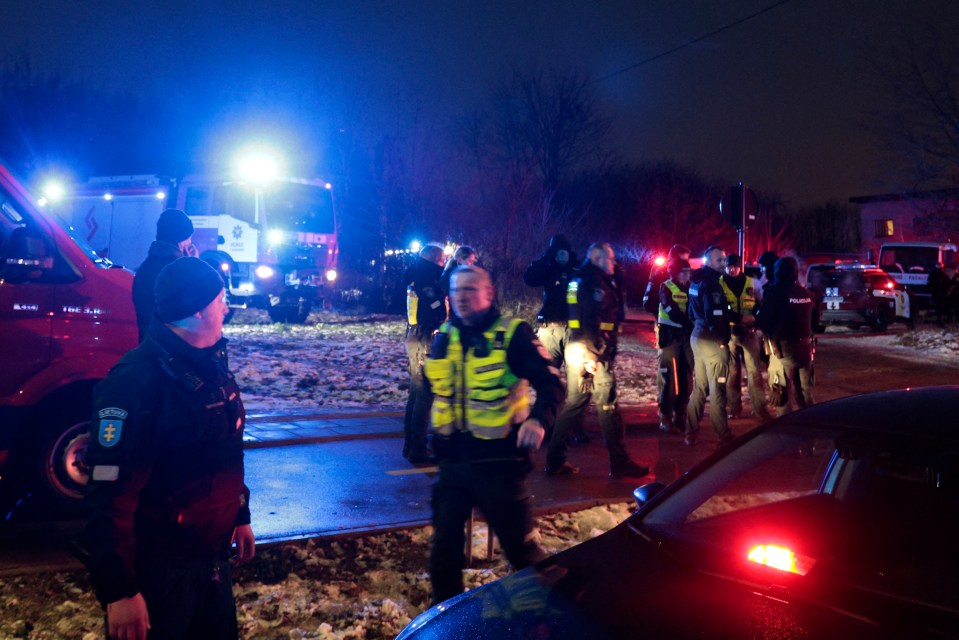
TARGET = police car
(854,295)
(837,521)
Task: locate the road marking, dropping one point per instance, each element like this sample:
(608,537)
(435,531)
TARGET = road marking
(407,472)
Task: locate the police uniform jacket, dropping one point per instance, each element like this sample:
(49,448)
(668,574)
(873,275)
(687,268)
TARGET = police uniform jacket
(674,323)
(144,282)
(596,310)
(166,462)
(743,300)
(708,307)
(554,278)
(424,276)
(526,359)
(788,312)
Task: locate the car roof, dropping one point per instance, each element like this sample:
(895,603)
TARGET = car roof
(920,411)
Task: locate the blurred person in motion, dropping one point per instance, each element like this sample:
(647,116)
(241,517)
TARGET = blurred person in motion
(479,371)
(167,496)
(787,317)
(553,272)
(675,351)
(426,311)
(709,311)
(596,311)
(745,343)
(464,256)
(174,239)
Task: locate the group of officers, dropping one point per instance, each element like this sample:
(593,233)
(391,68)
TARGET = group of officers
(717,321)
(169,506)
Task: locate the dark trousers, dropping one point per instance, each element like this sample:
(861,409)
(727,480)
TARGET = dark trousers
(189,599)
(790,376)
(498,489)
(417,420)
(603,393)
(676,371)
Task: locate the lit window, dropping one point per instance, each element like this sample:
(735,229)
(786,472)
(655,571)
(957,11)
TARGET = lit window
(884,228)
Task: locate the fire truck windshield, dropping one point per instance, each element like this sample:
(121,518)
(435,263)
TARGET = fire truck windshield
(291,206)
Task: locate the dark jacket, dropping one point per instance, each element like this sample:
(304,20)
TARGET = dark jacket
(554,278)
(708,306)
(144,282)
(788,313)
(166,460)
(424,276)
(595,311)
(527,360)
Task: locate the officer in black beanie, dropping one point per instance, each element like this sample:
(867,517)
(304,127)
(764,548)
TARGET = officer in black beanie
(173,240)
(166,495)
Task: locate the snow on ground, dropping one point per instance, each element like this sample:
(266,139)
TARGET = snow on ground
(360,588)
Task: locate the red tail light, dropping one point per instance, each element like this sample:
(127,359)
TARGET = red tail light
(781,558)
(659,261)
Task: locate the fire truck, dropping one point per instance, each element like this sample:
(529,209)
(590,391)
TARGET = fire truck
(66,316)
(275,242)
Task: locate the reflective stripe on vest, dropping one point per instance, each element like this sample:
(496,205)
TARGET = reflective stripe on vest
(681,300)
(477,392)
(745,304)
(572,299)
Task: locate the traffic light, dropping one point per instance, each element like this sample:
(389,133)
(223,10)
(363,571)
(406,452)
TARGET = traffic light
(740,206)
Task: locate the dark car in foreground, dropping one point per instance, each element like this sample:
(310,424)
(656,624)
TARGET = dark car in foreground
(857,295)
(838,521)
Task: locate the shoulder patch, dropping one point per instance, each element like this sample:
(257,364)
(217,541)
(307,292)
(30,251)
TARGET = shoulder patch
(598,294)
(111,426)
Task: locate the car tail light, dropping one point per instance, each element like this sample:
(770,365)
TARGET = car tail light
(781,558)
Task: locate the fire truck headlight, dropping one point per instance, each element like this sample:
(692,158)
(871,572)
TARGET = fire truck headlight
(276,236)
(53,191)
(264,271)
(331,275)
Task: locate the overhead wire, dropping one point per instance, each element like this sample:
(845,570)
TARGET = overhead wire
(663,54)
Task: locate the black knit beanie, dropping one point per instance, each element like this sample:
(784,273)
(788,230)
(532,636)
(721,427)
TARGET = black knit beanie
(185,286)
(174,226)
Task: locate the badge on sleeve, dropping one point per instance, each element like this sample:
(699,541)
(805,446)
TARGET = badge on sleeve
(111,426)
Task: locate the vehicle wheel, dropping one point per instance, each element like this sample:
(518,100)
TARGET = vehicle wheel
(302,312)
(881,321)
(61,471)
(281,312)
(819,328)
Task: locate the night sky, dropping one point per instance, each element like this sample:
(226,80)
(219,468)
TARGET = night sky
(779,101)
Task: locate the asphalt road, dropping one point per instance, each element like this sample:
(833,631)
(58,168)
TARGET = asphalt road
(353,485)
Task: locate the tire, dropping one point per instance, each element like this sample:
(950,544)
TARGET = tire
(819,328)
(302,312)
(60,473)
(281,312)
(881,322)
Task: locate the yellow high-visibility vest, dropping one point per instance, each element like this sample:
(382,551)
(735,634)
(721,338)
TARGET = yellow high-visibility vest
(679,297)
(477,392)
(745,304)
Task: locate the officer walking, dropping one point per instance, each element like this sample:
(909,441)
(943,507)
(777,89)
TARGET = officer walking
(553,271)
(479,369)
(595,312)
(745,345)
(675,352)
(426,311)
(709,311)
(787,316)
(166,493)
(173,240)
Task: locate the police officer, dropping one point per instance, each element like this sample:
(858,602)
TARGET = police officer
(595,312)
(553,271)
(745,345)
(675,352)
(166,494)
(174,239)
(426,311)
(464,256)
(709,311)
(659,275)
(787,316)
(479,369)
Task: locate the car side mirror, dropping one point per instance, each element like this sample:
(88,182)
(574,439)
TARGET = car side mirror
(646,492)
